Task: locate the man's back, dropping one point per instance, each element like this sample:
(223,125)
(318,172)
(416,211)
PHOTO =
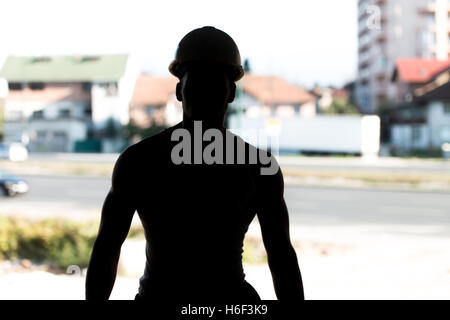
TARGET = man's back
(195,218)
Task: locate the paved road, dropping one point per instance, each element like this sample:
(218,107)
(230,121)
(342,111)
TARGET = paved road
(315,206)
(395,165)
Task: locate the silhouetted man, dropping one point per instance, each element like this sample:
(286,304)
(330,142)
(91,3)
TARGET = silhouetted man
(196,202)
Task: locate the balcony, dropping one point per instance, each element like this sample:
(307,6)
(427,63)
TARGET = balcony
(362,8)
(427,7)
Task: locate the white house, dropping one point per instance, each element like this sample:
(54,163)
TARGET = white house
(65,103)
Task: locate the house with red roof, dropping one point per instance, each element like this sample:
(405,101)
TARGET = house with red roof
(411,73)
(419,118)
(271,96)
(154,102)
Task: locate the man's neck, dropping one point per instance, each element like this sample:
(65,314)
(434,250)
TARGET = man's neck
(189,125)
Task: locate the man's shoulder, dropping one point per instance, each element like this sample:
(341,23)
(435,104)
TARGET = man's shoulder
(262,162)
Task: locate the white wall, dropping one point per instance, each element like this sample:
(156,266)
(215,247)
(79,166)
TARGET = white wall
(73,129)
(318,134)
(439,124)
(404,138)
(50,110)
(116,107)
(174,111)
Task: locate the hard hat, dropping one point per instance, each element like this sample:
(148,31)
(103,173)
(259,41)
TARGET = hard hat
(207,44)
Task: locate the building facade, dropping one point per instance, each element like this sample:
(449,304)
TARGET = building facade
(154,102)
(58,103)
(419,119)
(392,29)
(271,96)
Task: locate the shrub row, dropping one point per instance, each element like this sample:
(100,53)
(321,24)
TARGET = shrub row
(57,242)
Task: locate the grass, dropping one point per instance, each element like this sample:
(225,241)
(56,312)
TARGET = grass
(322,176)
(58,168)
(60,243)
(392,178)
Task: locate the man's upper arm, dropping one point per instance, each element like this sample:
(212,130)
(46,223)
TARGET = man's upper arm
(272,213)
(120,203)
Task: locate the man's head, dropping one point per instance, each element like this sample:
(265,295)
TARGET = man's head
(208,63)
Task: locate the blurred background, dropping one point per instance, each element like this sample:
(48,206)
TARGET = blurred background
(356,92)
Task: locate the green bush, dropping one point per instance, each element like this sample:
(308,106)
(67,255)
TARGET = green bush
(56,242)
(61,243)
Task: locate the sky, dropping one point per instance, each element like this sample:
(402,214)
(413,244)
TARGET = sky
(304,41)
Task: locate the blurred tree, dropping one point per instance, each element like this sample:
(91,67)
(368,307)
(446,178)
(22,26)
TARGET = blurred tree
(112,130)
(131,131)
(246,65)
(341,106)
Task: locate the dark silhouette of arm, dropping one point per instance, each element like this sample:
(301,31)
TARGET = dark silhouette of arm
(117,214)
(274,221)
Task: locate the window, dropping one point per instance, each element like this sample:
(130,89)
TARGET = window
(111,90)
(64,113)
(88,111)
(38,114)
(86,86)
(59,134)
(447,108)
(427,38)
(430,18)
(40,59)
(13,115)
(416,133)
(36,85)
(90,58)
(41,134)
(15,86)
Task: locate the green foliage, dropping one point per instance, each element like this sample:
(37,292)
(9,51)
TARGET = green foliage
(341,106)
(417,153)
(130,130)
(247,67)
(112,129)
(254,251)
(61,243)
(56,242)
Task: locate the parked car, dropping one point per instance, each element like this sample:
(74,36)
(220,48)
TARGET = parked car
(11,185)
(13,151)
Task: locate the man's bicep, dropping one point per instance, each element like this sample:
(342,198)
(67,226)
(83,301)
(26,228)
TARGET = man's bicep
(119,205)
(115,220)
(272,212)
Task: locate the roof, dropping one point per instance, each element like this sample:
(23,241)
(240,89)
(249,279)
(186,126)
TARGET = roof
(150,90)
(93,68)
(438,88)
(418,70)
(274,90)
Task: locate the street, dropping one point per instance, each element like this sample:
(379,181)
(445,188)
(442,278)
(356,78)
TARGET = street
(351,244)
(427,212)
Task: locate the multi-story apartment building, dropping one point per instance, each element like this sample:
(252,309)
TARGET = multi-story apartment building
(392,29)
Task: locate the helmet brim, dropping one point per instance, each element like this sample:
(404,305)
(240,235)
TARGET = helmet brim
(176,69)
